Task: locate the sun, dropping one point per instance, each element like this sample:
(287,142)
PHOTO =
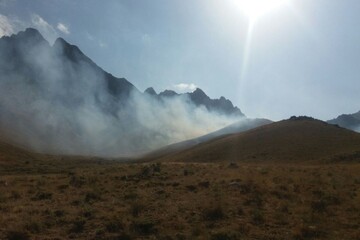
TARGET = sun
(257,8)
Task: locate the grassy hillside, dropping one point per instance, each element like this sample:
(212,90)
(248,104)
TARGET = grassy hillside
(285,141)
(57,197)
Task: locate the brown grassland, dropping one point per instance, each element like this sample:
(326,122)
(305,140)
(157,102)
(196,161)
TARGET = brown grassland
(109,200)
(289,180)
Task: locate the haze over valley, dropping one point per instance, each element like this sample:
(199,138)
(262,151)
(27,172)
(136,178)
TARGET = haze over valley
(221,120)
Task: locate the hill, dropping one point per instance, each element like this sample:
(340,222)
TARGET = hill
(10,154)
(237,127)
(291,140)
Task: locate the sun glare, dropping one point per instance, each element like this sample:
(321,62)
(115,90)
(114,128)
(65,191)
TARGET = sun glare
(256,8)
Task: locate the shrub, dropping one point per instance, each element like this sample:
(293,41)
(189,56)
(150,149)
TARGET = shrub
(114,225)
(76,181)
(91,196)
(257,217)
(308,233)
(137,208)
(224,236)
(156,167)
(17,235)
(41,196)
(144,227)
(213,213)
(33,227)
(191,188)
(59,213)
(77,226)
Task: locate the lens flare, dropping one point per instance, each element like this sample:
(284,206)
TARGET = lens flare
(256,8)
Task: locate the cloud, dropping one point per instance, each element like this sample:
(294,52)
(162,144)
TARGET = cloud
(102,44)
(6,26)
(63,28)
(12,24)
(98,42)
(185,87)
(47,30)
(89,36)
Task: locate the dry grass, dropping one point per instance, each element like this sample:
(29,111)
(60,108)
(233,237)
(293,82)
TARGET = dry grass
(285,193)
(85,200)
(285,141)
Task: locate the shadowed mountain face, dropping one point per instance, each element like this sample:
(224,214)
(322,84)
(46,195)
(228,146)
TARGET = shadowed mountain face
(55,99)
(349,121)
(291,141)
(200,99)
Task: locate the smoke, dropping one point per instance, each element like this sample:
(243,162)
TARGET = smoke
(357,129)
(55,106)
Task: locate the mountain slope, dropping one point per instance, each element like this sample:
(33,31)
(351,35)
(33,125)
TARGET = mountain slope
(200,99)
(349,121)
(285,141)
(172,149)
(54,99)
(10,154)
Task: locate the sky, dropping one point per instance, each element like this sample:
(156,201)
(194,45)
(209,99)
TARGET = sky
(302,58)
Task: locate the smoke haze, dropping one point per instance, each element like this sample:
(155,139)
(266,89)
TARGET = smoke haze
(54,99)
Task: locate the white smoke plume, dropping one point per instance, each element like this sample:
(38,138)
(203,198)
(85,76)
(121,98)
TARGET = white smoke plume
(67,109)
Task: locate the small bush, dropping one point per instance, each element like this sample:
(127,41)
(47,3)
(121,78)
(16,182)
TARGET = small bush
(137,208)
(156,167)
(77,226)
(91,197)
(131,196)
(15,195)
(213,213)
(308,233)
(319,206)
(42,196)
(191,188)
(59,213)
(257,217)
(204,184)
(233,165)
(144,227)
(16,235)
(114,226)
(224,236)
(76,181)
(33,227)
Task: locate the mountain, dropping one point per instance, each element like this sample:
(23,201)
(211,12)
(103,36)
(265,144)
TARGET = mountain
(55,99)
(199,98)
(291,141)
(349,121)
(20,50)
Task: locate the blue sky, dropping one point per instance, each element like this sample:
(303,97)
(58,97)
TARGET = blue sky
(303,58)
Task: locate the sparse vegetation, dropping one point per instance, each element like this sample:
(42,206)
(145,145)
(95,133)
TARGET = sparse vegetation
(212,201)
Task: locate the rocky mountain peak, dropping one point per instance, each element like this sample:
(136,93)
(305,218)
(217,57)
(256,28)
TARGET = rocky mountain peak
(168,93)
(150,91)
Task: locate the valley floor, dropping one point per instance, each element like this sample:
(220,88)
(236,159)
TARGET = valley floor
(108,200)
